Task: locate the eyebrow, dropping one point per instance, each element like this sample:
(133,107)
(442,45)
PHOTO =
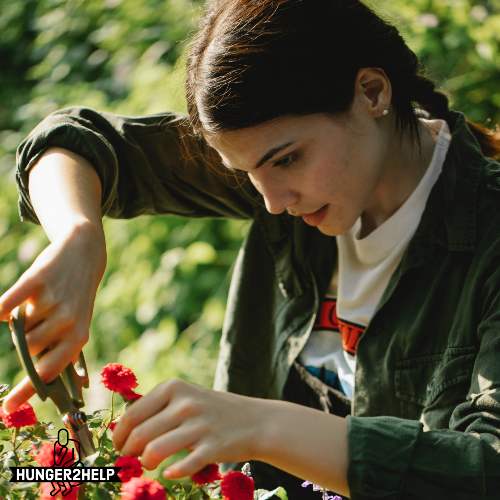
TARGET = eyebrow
(272,152)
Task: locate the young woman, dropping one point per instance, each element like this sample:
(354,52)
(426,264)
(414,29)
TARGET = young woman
(360,347)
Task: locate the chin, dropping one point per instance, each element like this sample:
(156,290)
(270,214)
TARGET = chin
(329,229)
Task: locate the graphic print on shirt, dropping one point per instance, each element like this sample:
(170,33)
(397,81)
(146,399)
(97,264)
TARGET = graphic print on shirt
(330,351)
(327,319)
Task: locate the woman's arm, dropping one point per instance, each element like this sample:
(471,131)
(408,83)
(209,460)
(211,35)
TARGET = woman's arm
(61,284)
(66,193)
(146,165)
(77,165)
(225,427)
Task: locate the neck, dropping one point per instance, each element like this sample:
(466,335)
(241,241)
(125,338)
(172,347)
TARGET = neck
(404,166)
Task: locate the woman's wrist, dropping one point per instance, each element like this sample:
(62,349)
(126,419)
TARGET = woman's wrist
(90,238)
(268,433)
(291,436)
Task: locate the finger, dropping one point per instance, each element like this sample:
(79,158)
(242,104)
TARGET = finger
(36,312)
(167,444)
(18,395)
(48,367)
(24,288)
(142,409)
(46,334)
(163,422)
(191,464)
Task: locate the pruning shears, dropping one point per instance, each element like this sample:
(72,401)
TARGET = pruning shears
(65,390)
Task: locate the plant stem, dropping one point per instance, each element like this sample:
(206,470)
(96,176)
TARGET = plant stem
(111,416)
(14,447)
(112,408)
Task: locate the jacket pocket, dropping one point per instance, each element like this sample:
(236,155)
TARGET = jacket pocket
(434,382)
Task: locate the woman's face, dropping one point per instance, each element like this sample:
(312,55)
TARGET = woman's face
(330,170)
(313,164)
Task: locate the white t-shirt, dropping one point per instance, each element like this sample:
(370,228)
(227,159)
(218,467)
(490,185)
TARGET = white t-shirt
(363,270)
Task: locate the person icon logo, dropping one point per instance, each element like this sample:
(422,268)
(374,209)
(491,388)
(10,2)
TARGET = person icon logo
(66,454)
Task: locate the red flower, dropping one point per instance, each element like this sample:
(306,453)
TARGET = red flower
(112,425)
(142,488)
(130,467)
(44,455)
(46,488)
(24,415)
(208,474)
(118,378)
(237,486)
(130,395)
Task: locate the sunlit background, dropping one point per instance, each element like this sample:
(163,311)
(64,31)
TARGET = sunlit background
(161,304)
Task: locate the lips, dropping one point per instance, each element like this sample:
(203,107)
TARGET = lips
(315,218)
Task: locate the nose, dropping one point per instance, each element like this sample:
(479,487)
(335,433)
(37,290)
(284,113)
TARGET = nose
(277,195)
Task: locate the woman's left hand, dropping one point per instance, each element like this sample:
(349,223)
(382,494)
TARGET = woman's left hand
(215,426)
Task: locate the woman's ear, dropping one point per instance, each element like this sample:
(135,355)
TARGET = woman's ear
(374,89)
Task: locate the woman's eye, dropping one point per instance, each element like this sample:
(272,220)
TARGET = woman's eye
(286,161)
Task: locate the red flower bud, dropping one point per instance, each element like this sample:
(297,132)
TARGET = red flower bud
(142,488)
(130,395)
(44,455)
(208,474)
(23,416)
(46,488)
(237,486)
(130,467)
(118,378)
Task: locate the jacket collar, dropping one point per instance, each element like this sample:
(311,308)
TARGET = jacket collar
(460,185)
(449,221)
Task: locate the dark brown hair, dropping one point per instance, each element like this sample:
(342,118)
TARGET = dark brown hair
(255,60)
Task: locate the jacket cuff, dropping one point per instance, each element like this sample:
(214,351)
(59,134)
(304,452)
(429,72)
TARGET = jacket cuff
(380,454)
(61,131)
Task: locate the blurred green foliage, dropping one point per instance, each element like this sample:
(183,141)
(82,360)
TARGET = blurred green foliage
(458,42)
(161,303)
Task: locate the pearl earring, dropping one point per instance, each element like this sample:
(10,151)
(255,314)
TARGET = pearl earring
(385,112)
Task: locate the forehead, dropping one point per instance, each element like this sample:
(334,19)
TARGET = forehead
(260,134)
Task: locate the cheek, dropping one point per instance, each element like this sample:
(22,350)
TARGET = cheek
(255,183)
(362,166)
(331,175)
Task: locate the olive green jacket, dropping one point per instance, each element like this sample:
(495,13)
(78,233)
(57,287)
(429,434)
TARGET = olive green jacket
(425,419)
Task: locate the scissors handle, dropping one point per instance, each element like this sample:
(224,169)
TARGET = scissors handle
(66,389)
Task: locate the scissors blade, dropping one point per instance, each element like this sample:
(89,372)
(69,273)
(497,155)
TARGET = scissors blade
(76,424)
(65,390)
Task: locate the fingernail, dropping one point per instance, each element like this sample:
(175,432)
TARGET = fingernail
(170,472)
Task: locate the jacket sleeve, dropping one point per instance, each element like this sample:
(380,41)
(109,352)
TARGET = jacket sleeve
(393,458)
(147,165)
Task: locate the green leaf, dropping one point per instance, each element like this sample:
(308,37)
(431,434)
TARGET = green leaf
(5,435)
(102,494)
(265,494)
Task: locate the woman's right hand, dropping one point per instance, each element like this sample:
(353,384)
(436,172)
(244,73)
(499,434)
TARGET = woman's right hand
(59,289)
